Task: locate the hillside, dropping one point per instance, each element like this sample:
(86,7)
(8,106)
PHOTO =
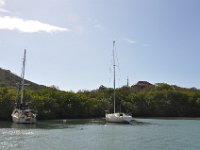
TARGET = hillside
(142,100)
(9,80)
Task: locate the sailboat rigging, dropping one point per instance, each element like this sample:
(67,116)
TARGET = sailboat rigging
(116,117)
(22,112)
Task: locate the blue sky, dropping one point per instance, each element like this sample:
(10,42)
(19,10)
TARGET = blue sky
(69,42)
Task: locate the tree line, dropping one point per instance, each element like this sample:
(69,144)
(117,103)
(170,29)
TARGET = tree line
(161,100)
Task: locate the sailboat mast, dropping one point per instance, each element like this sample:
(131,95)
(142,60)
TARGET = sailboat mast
(22,76)
(114,75)
(127,82)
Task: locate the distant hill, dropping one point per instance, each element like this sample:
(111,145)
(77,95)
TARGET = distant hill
(9,80)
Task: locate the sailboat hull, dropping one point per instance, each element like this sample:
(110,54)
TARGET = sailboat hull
(23,117)
(118,118)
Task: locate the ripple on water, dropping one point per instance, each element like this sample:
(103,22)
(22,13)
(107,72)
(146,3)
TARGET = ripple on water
(13,138)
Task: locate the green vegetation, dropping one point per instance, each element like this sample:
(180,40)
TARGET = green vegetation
(142,99)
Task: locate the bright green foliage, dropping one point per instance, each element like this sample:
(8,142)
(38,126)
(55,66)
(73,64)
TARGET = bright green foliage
(161,100)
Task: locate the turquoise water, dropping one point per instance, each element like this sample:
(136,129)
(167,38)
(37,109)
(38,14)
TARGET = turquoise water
(95,134)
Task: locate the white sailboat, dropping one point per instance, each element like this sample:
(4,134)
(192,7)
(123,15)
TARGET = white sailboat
(22,113)
(117,117)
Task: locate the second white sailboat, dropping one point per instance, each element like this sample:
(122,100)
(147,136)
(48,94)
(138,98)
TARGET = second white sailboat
(117,117)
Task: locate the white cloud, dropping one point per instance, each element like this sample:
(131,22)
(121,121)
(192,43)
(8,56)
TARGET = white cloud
(96,24)
(2,3)
(130,41)
(27,26)
(99,27)
(2,9)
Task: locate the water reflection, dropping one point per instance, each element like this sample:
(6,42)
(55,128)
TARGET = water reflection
(23,126)
(69,123)
(140,123)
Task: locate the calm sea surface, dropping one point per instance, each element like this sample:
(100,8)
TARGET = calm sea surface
(95,134)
